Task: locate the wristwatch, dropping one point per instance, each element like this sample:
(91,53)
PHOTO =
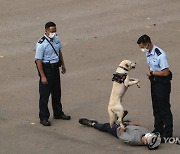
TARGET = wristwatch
(151,73)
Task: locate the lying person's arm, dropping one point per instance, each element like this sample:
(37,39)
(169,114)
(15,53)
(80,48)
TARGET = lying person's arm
(125,137)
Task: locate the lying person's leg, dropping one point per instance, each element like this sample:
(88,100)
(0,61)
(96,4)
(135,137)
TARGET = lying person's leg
(101,127)
(87,122)
(106,128)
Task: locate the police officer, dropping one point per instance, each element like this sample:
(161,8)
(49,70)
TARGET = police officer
(48,59)
(160,77)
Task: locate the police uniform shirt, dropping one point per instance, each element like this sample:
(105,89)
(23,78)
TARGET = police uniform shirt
(45,52)
(157,59)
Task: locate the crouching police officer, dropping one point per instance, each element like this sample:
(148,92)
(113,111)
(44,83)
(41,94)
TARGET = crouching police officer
(48,59)
(160,77)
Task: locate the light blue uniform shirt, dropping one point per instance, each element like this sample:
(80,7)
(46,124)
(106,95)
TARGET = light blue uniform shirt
(157,59)
(45,52)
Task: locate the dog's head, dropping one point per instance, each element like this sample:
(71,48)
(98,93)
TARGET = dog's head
(127,65)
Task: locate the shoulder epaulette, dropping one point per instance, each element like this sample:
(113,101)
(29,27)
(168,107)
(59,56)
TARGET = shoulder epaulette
(41,40)
(158,52)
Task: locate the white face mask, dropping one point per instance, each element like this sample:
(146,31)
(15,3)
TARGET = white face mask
(148,136)
(51,35)
(144,50)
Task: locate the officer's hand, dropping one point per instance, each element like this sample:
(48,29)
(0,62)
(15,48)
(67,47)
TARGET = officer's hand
(44,80)
(148,73)
(63,70)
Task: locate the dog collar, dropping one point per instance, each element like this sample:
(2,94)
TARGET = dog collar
(124,68)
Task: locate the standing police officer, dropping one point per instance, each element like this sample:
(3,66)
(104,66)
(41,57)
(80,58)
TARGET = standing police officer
(160,76)
(48,59)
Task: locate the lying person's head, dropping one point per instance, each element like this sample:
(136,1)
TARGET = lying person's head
(152,140)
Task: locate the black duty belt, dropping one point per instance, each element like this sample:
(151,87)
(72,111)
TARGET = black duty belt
(50,65)
(163,79)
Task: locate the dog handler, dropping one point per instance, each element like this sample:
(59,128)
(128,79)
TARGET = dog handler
(160,77)
(133,134)
(48,60)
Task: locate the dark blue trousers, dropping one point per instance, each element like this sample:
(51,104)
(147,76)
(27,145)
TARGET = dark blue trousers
(163,119)
(54,88)
(106,128)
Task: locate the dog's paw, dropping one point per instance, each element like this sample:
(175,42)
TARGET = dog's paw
(118,123)
(111,124)
(122,126)
(138,85)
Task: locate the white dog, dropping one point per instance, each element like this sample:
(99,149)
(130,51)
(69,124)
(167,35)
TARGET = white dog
(120,85)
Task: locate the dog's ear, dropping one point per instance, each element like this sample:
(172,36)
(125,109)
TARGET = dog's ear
(127,66)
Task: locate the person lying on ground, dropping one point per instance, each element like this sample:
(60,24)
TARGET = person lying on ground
(133,134)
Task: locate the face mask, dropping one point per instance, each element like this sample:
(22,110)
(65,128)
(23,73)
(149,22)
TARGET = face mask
(144,50)
(51,35)
(148,136)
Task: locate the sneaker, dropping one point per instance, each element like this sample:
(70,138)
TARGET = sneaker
(86,122)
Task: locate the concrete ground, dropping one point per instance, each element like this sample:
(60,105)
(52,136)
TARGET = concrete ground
(96,35)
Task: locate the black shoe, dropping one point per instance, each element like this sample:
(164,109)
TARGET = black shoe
(63,117)
(165,137)
(178,142)
(45,123)
(169,134)
(86,122)
(162,140)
